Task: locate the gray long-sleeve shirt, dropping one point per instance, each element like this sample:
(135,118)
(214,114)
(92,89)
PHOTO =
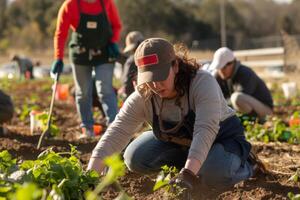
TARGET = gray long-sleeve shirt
(206,100)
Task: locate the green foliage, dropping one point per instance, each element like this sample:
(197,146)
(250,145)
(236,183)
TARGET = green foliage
(293,196)
(295,177)
(164,177)
(116,170)
(275,130)
(43,118)
(185,20)
(175,19)
(25,110)
(28,191)
(7,163)
(58,176)
(61,177)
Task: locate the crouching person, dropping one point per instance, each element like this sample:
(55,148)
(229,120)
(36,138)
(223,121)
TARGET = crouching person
(244,90)
(6,109)
(193,129)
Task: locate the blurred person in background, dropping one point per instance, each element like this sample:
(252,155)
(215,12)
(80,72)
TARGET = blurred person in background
(6,110)
(244,90)
(96,27)
(25,66)
(193,128)
(132,41)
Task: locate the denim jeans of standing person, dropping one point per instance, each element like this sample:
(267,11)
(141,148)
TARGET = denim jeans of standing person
(84,86)
(221,169)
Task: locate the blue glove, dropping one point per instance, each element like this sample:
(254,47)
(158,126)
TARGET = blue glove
(57,66)
(113,51)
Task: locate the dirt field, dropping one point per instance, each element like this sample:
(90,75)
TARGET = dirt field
(283,159)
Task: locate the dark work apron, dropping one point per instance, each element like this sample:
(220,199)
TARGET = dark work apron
(230,135)
(88,44)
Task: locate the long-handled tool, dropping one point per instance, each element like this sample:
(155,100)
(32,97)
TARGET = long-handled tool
(48,129)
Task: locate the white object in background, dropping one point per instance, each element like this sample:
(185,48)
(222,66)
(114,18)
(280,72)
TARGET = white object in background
(118,70)
(289,89)
(35,124)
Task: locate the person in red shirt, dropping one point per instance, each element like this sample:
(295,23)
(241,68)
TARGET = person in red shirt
(96,27)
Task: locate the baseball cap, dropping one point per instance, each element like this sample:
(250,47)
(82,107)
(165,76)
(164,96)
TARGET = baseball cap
(221,57)
(153,59)
(132,40)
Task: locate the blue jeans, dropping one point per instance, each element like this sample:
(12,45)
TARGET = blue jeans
(221,169)
(84,86)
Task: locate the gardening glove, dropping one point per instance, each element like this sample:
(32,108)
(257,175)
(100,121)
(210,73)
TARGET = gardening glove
(185,184)
(113,51)
(56,67)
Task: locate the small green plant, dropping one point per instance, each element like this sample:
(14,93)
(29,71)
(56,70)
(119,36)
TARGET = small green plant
(25,110)
(164,177)
(116,170)
(293,196)
(163,180)
(43,118)
(59,175)
(7,163)
(295,177)
(276,131)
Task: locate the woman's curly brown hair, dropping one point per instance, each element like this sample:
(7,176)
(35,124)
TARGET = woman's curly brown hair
(187,69)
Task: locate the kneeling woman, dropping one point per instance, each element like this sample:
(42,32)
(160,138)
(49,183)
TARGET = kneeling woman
(192,126)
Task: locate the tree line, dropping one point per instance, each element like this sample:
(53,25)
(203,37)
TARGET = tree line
(31,23)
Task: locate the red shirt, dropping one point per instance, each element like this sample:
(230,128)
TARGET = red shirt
(68,17)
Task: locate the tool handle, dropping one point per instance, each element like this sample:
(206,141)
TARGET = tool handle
(54,87)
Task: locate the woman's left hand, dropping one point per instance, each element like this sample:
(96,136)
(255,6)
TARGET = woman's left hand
(185,183)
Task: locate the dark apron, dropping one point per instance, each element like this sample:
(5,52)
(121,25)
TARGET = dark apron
(230,135)
(88,44)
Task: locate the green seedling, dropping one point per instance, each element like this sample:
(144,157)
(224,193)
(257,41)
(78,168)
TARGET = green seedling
(295,177)
(43,118)
(163,182)
(25,110)
(7,163)
(164,177)
(116,170)
(293,196)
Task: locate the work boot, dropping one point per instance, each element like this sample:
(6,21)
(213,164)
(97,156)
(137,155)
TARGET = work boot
(258,165)
(87,133)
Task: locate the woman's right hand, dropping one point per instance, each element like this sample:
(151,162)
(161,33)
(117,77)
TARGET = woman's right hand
(96,164)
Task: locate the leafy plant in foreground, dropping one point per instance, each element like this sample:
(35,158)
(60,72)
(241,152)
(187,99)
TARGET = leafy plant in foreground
(60,175)
(56,176)
(163,181)
(164,177)
(293,196)
(116,170)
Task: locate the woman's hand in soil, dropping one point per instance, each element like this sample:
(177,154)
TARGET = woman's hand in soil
(185,184)
(96,164)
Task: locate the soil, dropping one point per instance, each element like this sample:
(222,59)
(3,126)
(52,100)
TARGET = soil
(281,158)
